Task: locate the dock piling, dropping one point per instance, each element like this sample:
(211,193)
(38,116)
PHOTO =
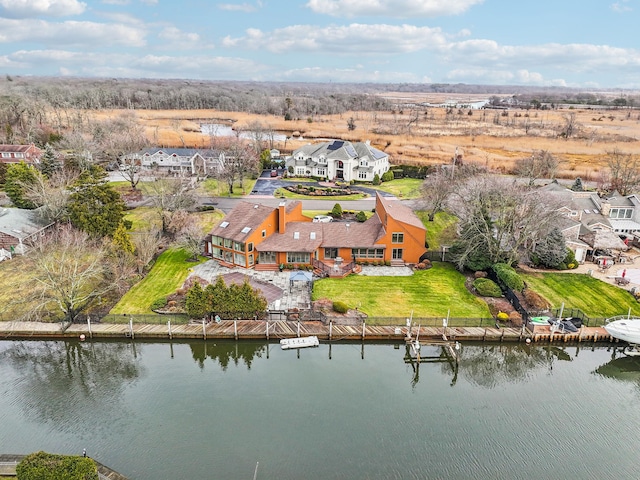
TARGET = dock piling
(89,325)
(169,328)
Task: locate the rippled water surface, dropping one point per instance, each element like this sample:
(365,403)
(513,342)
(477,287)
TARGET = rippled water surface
(216,410)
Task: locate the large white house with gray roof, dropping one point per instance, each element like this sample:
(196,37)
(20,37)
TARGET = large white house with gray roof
(182,161)
(338,160)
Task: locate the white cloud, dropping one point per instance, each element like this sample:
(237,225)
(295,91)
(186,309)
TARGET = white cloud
(179,39)
(132,66)
(116,2)
(240,7)
(391,8)
(621,7)
(351,39)
(35,8)
(70,33)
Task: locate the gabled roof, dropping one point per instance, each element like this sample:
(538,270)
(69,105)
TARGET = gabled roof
(16,148)
(399,212)
(604,240)
(340,150)
(242,220)
(298,237)
(19,223)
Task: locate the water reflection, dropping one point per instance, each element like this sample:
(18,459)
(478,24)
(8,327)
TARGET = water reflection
(623,368)
(225,352)
(61,383)
(491,365)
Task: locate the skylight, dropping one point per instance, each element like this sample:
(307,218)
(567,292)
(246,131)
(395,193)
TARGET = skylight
(312,235)
(224,224)
(296,235)
(246,230)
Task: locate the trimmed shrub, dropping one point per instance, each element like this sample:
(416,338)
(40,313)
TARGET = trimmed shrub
(502,316)
(340,307)
(487,288)
(361,216)
(47,466)
(159,303)
(387,176)
(336,212)
(376,179)
(509,276)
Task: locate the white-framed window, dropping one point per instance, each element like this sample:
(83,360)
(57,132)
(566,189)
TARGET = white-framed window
(396,254)
(367,252)
(19,155)
(250,247)
(362,175)
(298,257)
(264,233)
(321,172)
(300,170)
(621,213)
(397,237)
(239,259)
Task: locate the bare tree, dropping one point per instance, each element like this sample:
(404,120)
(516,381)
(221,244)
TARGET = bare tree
(624,172)
(499,220)
(68,274)
(240,161)
(52,194)
(170,195)
(146,245)
(541,164)
(188,233)
(435,191)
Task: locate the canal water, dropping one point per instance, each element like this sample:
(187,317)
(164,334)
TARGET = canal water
(218,410)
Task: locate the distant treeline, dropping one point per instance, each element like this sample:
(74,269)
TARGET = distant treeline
(296,99)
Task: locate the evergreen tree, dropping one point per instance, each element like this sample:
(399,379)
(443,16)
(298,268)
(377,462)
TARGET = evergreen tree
(122,241)
(577,185)
(376,179)
(49,163)
(196,302)
(336,212)
(551,251)
(94,206)
(17,178)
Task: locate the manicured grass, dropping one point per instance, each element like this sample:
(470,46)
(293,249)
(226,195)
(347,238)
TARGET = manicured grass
(597,299)
(284,193)
(428,293)
(401,187)
(442,223)
(167,275)
(214,188)
(143,218)
(299,180)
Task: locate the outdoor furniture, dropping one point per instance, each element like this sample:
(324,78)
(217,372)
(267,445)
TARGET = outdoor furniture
(621,281)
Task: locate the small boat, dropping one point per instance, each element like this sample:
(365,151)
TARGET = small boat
(539,320)
(299,342)
(625,328)
(562,326)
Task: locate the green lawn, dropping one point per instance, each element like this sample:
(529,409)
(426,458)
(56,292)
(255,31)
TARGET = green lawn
(214,188)
(428,293)
(401,187)
(597,299)
(441,230)
(167,275)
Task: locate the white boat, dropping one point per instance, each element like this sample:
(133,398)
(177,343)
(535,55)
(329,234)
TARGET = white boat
(299,342)
(625,328)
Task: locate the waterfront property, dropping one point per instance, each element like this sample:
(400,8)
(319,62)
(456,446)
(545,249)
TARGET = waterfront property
(181,161)
(262,237)
(17,227)
(338,160)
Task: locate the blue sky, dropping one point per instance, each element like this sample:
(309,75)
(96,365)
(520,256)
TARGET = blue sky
(576,43)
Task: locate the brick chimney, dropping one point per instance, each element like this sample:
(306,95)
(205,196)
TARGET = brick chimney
(282,218)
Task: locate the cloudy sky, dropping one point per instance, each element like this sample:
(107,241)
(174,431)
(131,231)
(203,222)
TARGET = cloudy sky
(580,43)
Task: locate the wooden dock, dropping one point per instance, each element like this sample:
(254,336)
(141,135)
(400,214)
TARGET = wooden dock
(8,464)
(250,329)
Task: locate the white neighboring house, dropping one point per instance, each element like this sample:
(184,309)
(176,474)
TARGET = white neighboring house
(339,160)
(18,227)
(179,161)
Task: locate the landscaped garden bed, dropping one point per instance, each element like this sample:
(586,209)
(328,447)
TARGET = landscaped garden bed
(312,191)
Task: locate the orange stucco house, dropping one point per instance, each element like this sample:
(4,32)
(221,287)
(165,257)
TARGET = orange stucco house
(262,237)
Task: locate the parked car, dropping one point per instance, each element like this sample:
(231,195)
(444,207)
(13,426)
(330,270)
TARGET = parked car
(274,173)
(322,219)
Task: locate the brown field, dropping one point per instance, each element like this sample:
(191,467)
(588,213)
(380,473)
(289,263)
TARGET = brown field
(494,138)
